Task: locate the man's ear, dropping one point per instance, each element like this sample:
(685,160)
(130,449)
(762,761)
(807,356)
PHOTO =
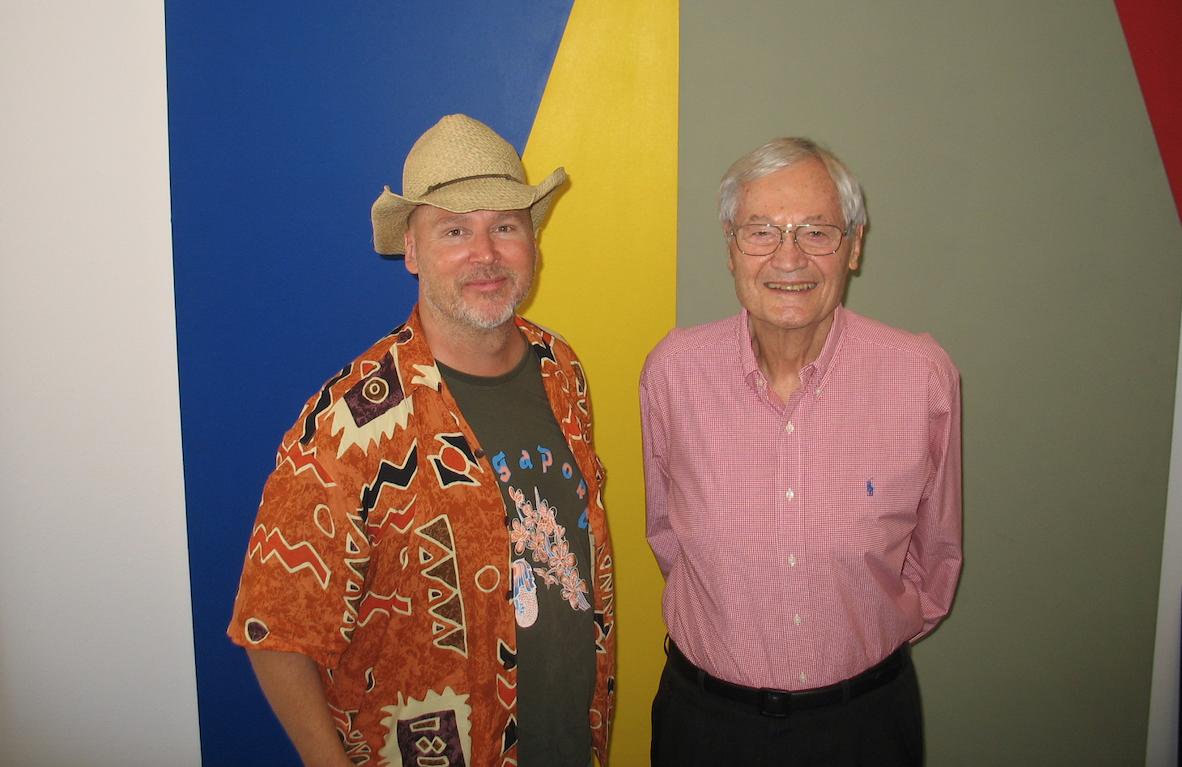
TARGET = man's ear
(410,257)
(730,252)
(856,249)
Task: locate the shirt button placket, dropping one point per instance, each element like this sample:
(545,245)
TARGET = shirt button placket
(791,447)
(789,428)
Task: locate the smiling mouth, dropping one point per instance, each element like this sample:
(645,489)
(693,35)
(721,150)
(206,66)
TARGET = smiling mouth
(486,282)
(790,287)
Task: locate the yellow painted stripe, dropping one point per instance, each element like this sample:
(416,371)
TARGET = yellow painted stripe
(608,278)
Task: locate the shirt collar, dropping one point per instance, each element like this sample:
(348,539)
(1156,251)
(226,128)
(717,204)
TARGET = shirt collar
(824,361)
(747,362)
(817,370)
(417,365)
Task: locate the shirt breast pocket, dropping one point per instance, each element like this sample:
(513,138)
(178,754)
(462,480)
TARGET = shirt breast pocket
(874,487)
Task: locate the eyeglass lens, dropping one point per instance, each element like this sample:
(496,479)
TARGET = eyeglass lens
(764,239)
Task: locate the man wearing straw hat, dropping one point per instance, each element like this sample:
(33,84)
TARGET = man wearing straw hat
(429,579)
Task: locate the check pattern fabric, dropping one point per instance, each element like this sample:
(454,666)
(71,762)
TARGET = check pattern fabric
(381,550)
(802,542)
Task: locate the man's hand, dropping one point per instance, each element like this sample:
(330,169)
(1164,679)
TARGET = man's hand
(291,683)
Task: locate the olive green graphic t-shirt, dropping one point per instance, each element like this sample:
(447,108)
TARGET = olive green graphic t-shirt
(550,558)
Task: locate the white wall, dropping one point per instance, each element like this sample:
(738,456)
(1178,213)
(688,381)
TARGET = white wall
(1162,747)
(96,649)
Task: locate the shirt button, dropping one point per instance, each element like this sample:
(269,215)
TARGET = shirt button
(790,494)
(789,427)
(796,619)
(803,677)
(818,391)
(792,560)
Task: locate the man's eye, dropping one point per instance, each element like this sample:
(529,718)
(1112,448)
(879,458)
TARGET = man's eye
(454,233)
(505,228)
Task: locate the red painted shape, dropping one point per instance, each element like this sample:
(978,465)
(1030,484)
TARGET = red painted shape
(453,459)
(272,545)
(301,461)
(399,519)
(1153,30)
(376,603)
(506,692)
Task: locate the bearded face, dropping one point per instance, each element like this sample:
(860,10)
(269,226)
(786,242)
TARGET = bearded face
(473,268)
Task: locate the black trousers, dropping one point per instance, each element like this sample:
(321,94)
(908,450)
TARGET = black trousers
(696,728)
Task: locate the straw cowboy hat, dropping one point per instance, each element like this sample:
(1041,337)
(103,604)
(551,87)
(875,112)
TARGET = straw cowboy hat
(461,165)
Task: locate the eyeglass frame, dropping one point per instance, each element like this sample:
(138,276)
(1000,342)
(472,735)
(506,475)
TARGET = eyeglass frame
(783,229)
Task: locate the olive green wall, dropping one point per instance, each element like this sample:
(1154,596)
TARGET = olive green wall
(1020,213)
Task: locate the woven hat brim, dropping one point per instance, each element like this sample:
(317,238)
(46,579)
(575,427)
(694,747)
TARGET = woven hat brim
(391,211)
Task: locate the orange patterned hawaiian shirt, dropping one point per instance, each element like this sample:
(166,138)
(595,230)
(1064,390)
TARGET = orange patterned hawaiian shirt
(380,550)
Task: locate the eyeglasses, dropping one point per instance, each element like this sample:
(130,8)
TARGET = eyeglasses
(766,239)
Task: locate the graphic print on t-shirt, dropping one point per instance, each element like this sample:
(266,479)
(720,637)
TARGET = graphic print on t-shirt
(539,540)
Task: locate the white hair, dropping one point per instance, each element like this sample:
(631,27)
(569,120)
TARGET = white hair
(778,154)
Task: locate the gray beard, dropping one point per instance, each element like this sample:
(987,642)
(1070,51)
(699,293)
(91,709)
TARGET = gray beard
(468,315)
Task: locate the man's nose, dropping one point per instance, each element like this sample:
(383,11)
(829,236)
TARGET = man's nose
(484,248)
(789,256)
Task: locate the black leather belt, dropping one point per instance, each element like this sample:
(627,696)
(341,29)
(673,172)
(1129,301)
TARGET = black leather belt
(780,703)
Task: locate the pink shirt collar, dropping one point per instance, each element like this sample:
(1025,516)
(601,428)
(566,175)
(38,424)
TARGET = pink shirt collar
(817,370)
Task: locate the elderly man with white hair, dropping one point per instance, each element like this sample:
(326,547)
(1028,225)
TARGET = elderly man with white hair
(802,470)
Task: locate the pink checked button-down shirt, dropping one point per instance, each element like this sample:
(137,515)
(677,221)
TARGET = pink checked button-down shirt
(802,544)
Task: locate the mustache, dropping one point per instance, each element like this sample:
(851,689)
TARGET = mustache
(485,273)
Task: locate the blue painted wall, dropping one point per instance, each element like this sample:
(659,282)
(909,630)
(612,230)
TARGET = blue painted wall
(285,120)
